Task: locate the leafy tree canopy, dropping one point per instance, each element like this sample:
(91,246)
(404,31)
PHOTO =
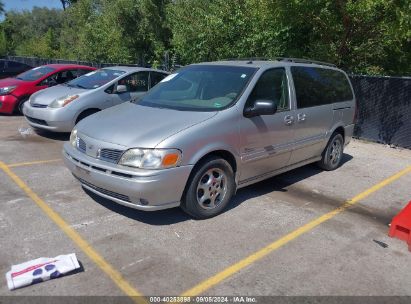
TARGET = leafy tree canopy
(366,36)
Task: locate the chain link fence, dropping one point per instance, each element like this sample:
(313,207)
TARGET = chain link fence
(384,109)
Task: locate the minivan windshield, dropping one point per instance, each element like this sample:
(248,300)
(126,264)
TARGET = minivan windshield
(199,88)
(95,79)
(35,73)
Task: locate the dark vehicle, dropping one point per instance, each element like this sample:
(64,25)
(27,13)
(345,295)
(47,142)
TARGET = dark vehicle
(10,68)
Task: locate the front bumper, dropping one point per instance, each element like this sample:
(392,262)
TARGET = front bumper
(147,190)
(8,103)
(57,120)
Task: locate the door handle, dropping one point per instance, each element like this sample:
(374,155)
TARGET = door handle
(288,120)
(301,117)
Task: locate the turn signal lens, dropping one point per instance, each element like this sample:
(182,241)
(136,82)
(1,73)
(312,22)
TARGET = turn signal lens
(170,160)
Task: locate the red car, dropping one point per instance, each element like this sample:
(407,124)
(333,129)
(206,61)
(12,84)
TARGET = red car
(14,92)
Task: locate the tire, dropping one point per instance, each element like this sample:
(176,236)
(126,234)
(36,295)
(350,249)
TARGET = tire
(19,107)
(333,153)
(209,189)
(84,114)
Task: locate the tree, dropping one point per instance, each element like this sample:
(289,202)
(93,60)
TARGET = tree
(23,30)
(368,36)
(124,31)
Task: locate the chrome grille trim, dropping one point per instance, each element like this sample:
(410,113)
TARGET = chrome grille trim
(110,155)
(81,145)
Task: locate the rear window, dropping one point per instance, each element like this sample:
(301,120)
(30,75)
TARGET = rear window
(35,73)
(317,86)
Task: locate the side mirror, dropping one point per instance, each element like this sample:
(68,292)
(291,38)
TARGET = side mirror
(261,107)
(121,88)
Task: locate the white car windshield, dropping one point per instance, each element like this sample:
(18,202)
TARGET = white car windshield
(95,79)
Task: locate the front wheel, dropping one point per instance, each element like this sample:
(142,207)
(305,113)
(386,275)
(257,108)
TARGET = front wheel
(333,153)
(20,105)
(210,188)
(84,114)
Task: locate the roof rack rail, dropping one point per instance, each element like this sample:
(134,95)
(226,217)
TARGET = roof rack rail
(301,60)
(247,59)
(295,60)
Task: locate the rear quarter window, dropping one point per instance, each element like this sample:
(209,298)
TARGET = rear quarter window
(317,86)
(156,77)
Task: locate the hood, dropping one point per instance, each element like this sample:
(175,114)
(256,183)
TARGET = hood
(6,82)
(135,126)
(46,96)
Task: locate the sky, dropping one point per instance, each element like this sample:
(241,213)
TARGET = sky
(28,4)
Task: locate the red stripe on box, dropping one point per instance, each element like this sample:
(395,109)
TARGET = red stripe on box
(28,269)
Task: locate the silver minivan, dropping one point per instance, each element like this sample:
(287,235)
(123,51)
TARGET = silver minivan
(212,128)
(60,107)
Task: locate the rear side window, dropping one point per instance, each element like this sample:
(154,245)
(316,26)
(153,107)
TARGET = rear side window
(156,78)
(317,86)
(272,85)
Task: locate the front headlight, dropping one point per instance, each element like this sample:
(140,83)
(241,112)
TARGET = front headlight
(151,158)
(73,138)
(63,101)
(7,90)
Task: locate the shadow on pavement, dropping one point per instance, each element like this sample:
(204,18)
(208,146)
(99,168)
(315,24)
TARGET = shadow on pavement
(53,135)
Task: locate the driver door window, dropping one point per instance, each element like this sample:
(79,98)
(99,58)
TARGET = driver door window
(57,78)
(137,85)
(49,81)
(137,82)
(272,85)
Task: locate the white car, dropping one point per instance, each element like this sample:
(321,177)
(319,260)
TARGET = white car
(61,107)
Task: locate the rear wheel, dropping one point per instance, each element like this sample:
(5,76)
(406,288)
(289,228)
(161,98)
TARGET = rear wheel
(210,189)
(333,153)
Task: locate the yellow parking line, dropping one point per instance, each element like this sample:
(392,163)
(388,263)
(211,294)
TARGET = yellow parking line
(34,163)
(114,275)
(231,270)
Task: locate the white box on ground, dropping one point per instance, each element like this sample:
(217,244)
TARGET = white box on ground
(40,270)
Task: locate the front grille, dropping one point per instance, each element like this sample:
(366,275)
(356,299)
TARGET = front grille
(37,121)
(110,155)
(104,191)
(81,145)
(37,105)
